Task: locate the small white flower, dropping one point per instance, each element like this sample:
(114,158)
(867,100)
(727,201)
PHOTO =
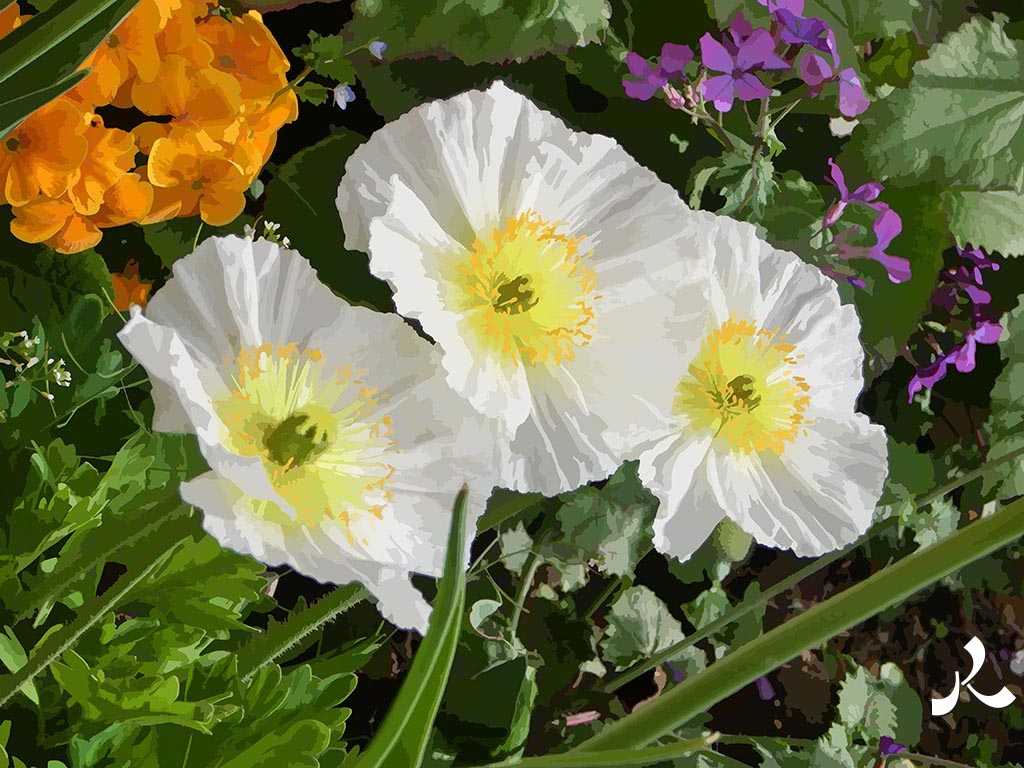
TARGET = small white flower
(335,445)
(532,254)
(761,424)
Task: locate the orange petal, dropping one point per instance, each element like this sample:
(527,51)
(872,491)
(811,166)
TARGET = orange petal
(40,220)
(78,234)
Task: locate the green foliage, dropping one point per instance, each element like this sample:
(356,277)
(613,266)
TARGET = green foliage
(1006,424)
(871,707)
(989,220)
(301,199)
(478,32)
(946,127)
(639,625)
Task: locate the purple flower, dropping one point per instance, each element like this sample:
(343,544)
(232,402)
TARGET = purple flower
(343,96)
(842,275)
(738,81)
(888,746)
(928,376)
(816,33)
(955,281)
(676,673)
(865,194)
(764,689)
(817,72)
(985,332)
(886,227)
(792,6)
(377,48)
(739,30)
(979,259)
(673,61)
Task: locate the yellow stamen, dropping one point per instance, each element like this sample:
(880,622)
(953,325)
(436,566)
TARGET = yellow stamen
(324,450)
(742,387)
(527,290)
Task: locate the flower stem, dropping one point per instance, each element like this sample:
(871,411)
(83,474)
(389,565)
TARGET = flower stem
(533,562)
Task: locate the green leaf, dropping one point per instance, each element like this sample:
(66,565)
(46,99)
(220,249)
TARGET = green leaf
(280,636)
(962,118)
(174,239)
(401,741)
(1006,423)
(38,60)
(989,220)
(478,31)
(607,528)
(639,626)
(327,57)
(887,587)
(301,199)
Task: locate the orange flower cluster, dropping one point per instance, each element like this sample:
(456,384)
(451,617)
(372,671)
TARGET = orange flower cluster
(217,87)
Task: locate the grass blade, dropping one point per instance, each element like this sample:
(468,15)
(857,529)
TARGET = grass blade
(403,736)
(619,758)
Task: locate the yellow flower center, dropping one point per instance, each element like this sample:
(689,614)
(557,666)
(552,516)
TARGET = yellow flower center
(314,430)
(527,291)
(741,385)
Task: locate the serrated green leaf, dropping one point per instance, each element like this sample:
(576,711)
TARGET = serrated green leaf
(401,741)
(639,625)
(989,220)
(1006,423)
(962,118)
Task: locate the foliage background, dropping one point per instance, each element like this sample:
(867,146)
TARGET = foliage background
(211,660)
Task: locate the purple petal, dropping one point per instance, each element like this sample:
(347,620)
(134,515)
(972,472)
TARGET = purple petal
(886,227)
(765,691)
(897,267)
(865,193)
(377,48)
(714,55)
(674,58)
(978,296)
(740,29)
(793,6)
(750,88)
(929,375)
(639,89)
(814,70)
(945,296)
(837,179)
(963,355)
(638,65)
(721,90)
(988,332)
(852,100)
(343,96)
(756,50)
(888,746)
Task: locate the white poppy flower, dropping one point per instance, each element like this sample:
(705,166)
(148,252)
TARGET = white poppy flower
(334,443)
(537,258)
(762,427)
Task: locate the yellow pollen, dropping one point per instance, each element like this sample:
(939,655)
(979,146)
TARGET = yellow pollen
(527,291)
(314,429)
(742,387)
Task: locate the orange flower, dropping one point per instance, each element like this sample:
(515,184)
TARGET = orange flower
(128,289)
(111,155)
(202,96)
(40,154)
(245,49)
(11,19)
(202,178)
(55,223)
(129,200)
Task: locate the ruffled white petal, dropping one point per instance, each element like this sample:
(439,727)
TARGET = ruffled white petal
(462,156)
(228,517)
(232,294)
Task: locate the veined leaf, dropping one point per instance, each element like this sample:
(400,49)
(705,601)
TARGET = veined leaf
(402,739)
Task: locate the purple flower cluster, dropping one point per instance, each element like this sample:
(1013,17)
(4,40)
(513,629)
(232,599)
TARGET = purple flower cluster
(888,746)
(962,295)
(733,66)
(886,227)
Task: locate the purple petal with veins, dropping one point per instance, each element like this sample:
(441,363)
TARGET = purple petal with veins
(714,55)
(674,58)
(852,101)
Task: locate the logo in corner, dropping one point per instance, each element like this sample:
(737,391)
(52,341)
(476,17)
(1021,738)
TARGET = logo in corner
(1001,698)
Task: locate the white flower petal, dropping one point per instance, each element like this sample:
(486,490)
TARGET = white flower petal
(687,511)
(374,503)
(460,156)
